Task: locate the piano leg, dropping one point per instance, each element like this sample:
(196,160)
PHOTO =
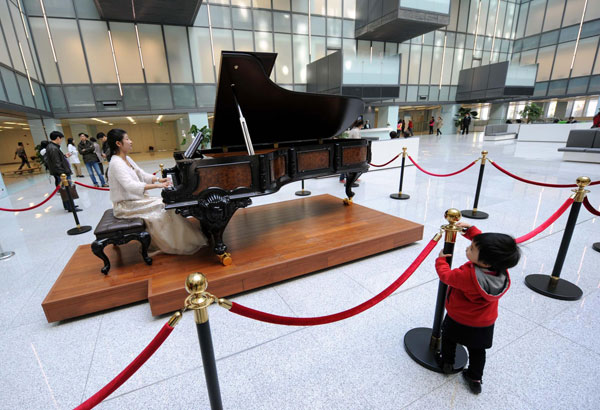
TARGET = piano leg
(214,211)
(351,178)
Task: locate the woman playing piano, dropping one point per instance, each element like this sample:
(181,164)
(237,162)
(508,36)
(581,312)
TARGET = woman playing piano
(171,233)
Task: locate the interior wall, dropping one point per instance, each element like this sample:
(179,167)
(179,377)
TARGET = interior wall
(147,134)
(8,145)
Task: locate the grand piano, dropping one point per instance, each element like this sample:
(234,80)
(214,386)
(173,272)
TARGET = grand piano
(264,137)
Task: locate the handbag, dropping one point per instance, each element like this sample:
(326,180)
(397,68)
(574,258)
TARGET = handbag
(63,193)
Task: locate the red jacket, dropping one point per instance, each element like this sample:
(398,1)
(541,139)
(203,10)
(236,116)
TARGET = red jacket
(467,302)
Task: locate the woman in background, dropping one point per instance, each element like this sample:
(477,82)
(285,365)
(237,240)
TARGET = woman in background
(73,156)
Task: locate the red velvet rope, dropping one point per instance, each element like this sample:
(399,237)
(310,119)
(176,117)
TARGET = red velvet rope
(547,223)
(35,206)
(387,163)
(528,181)
(441,175)
(92,187)
(589,207)
(321,320)
(128,371)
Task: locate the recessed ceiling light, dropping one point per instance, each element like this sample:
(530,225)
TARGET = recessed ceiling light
(131,119)
(99,120)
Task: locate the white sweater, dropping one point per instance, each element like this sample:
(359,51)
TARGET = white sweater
(74,158)
(126,183)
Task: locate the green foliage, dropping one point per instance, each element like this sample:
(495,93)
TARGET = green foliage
(38,156)
(461,113)
(205,131)
(532,112)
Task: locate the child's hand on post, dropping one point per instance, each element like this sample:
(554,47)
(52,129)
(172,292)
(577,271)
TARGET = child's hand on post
(444,255)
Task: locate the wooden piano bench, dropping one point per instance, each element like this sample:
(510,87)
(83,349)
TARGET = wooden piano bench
(116,231)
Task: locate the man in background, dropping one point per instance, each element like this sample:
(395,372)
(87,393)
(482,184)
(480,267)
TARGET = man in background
(58,164)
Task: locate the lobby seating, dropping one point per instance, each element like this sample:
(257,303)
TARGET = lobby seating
(582,146)
(116,231)
(499,132)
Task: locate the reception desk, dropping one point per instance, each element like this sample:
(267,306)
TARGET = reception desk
(549,132)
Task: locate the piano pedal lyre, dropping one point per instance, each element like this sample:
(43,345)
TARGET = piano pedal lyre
(348,201)
(225,258)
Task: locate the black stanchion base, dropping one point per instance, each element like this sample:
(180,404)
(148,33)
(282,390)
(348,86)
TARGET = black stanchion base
(596,246)
(302,193)
(416,344)
(80,230)
(469,213)
(563,290)
(6,255)
(399,196)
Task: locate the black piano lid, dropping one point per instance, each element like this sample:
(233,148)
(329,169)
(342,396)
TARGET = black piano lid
(273,114)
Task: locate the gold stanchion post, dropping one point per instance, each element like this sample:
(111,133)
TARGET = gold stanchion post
(79,229)
(423,343)
(399,194)
(475,213)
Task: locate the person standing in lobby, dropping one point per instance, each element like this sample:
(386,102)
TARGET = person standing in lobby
(74,157)
(410,127)
(99,154)
(466,121)
(58,164)
(87,150)
(431,124)
(439,125)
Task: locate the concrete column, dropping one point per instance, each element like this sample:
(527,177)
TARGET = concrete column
(387,115)
(447,114)
(498,113)
(561,110)
(36,128)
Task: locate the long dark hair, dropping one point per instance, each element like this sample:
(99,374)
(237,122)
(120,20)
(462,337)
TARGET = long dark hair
(115,135)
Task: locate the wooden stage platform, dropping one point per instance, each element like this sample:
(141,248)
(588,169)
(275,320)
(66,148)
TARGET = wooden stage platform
(268,244)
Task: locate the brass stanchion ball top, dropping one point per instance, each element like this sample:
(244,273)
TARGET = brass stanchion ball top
(583,181)
(452,215)
(161,165)
(196,283)
(63,177)
(484,152)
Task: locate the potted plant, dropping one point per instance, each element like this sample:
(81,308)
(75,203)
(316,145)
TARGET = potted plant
(462,111)
(205,132)
(531,112)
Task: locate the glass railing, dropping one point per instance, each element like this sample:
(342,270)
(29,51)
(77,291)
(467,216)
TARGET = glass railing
(521,75)
(374,71)
(435,6)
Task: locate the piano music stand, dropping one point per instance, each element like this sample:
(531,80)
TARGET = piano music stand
(302,192)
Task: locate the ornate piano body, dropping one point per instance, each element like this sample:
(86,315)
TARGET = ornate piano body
(290,131)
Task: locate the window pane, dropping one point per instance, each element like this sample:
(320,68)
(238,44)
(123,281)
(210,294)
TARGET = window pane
(205,95)
(262,20)
(300,58)
(135,97)
(562,61)
(86,9)
(243,40)
(591,108)
(522,16)
(573,12)
(544,59)
(415,58)
(448,58)
(283,64)
(38,29)
(334,27)
(318,48)
(97,47)
(509,21)
(263,41)
(554,14)
(536,17)
(127,53)
(348,28)
(458,57)
(22,38)
(241,3)
(57,99)
(222,41)
(426,64)
(300,6)
(160,97)
(153,51)
(528,57)
(350,9)
(263,4)
(281,4)
(592,10)
(577,85)
(317,7)
(219,17)
(436,66)
(184,96)
(282,22)
(12,89)
(179,54)
(317,26)
(80,98)
(300,23)
(586,50)
(242,18)
(69,51)
(334,8)
(39,98)
(201,55)
(11,39)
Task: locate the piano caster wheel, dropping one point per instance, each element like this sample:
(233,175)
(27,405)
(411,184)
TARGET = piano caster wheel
(348,201)
(225,259)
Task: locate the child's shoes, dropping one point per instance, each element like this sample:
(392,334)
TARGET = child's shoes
(447,368)
(474,385)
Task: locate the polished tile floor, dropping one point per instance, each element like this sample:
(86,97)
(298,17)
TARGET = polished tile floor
(545,355)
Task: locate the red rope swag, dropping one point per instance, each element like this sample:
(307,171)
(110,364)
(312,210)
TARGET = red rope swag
(34,206)
(547,223)
(528,181)
(387,163)
(321,320)
(92,187)
(441,175)
(589,207)
(128,371)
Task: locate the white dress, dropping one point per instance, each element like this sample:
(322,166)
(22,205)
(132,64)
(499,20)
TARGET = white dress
(74,158)
(171,233)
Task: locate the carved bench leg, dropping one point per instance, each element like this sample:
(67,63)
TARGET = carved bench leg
(98,250)
(145,239)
